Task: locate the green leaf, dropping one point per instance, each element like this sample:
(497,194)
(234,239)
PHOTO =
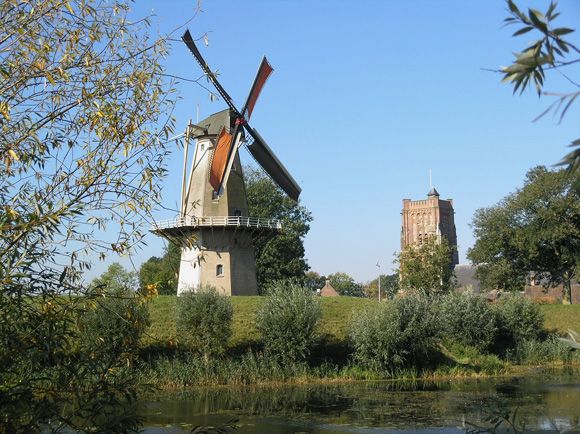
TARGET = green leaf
(537,20)
(523,30)
(562,31)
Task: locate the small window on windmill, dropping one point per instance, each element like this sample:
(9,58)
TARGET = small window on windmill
(214,195)
(219,270)
(202,146)
(237,212)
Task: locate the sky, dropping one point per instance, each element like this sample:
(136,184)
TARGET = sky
(366,97)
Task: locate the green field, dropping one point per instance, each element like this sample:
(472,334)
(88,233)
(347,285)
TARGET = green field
(562,317)
(336,315)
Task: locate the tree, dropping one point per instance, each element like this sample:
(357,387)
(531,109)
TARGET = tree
(533,230)
(162,272)
(314,281)
(282,256)
(117,279)
(427,268)
(550,52)
(83,103)
(345,285)
(389,286)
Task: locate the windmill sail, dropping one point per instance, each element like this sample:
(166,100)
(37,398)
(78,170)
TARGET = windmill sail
(273,167)
(219,162)
(227,143)
(264,72)
(188,40)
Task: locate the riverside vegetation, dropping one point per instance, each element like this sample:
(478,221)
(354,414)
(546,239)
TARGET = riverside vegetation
(293,336)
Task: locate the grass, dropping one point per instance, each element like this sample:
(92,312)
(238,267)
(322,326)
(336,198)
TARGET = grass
(336,316)
(561,317)
(330,360)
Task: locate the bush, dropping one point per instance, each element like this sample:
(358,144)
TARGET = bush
(288,321)
(550,350)
(113,325)
(204,321)
(518,318)
(395,334)
(468,319)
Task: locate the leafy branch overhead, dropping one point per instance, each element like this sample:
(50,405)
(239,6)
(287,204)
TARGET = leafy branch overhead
(551,51)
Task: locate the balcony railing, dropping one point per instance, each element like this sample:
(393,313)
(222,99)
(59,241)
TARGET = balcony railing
(226,221)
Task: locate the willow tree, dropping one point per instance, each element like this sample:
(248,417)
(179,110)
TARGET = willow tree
(427,268)
(83,103)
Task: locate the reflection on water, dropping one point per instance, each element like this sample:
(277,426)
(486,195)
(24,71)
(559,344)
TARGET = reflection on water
(544,399)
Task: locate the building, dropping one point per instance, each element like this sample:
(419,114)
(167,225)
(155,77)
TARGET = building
(215,230)
(428,217)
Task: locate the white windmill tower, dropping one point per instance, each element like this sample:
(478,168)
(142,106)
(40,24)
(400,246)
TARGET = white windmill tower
(214,225)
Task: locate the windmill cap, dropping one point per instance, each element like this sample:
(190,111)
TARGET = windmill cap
(433,192)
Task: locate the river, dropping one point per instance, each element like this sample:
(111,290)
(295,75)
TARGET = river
(544,400)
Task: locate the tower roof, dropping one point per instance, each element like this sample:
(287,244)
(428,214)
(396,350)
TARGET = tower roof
(433,192)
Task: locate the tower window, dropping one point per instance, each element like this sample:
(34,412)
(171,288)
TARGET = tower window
(202,146)
(219,270)
(214,195)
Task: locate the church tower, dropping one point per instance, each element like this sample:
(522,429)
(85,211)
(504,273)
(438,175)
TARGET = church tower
(427,217)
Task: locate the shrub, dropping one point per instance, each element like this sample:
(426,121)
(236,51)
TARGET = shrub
(518,318)
(113,325)
(549,350)
(468,319)
(204,321)
(288,321)
(395,334)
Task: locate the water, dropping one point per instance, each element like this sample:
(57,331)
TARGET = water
(544,401)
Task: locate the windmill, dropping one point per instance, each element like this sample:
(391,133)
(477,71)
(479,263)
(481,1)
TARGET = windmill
(214,226)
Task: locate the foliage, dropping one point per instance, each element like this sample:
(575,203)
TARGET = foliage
(534,230)
(204,320)
(467,319)
(112,327)
(314,281)
(537,352)
(281,256)
(116,279)
(162,272)
(288,321)
(550,52)
(389,286)
(81,90)
(427,268)
(572,340)
(518,318)
(395,334)
(345,285)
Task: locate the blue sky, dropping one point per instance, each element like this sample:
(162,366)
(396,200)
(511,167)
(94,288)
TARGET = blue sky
(365,98)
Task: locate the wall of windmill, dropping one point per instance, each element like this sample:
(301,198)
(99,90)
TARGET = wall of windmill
(221,258)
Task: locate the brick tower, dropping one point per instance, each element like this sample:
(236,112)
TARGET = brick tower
(431,216)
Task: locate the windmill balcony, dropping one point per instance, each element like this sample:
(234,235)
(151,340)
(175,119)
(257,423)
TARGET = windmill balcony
(217,222)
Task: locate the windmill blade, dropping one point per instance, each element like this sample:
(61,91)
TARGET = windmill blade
(262,75)
(273,167)
(219,161)
(188,40)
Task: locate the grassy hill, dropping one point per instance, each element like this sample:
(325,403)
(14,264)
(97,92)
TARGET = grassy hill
(336,314)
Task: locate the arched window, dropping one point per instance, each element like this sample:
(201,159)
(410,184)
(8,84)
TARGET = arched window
(219,270)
